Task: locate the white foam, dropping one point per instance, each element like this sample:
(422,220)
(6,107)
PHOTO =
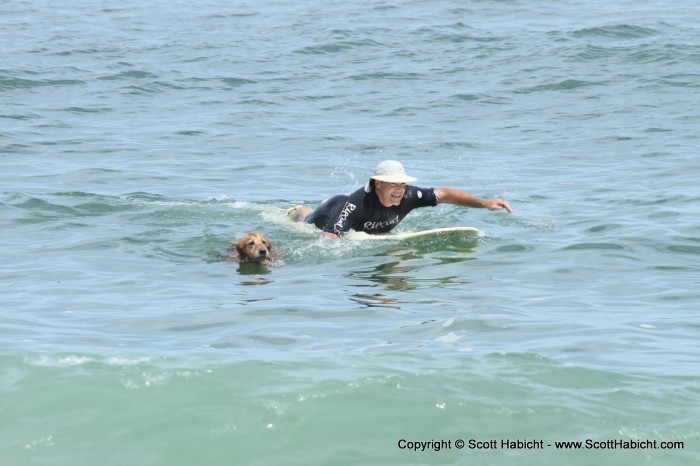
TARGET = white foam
(63,361)
(123,361)
(76,360)
(449,338)
(40,442)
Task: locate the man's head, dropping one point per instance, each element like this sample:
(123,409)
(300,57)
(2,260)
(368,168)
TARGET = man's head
(389,182)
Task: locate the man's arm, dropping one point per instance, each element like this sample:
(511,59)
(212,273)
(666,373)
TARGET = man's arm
(464,199)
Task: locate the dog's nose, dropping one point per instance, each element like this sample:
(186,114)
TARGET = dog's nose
(263,252)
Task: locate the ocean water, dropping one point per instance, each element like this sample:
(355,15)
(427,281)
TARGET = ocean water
(137,139)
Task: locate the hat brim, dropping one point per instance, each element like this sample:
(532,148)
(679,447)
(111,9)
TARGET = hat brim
(388,179)
(393,178)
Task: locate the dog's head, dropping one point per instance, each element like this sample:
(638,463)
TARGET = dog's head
(254,247)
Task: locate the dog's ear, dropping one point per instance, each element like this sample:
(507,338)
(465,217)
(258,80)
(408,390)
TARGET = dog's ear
(240,246)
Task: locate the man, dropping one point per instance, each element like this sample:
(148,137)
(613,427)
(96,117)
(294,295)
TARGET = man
(383,203)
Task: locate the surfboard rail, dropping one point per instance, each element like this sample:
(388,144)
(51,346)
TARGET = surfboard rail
(406,235)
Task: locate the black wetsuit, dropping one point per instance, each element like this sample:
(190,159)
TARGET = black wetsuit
(362,211)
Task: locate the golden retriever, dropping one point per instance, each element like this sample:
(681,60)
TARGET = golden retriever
(252,247)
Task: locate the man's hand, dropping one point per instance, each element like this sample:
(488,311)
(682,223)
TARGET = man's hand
(498,204)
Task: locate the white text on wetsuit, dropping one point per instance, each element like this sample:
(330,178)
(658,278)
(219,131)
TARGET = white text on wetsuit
(347,210)
(379,225)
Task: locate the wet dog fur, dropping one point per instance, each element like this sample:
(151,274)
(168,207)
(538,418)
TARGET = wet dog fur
(253,248)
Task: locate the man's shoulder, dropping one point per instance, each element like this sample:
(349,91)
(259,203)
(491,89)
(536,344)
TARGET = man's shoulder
(359,197)
(359,193)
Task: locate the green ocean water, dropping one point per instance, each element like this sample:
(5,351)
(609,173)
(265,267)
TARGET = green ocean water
(138,140)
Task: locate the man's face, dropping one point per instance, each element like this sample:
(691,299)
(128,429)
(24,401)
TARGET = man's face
(389,194)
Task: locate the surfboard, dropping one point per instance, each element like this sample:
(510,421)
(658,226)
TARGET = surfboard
(441,233)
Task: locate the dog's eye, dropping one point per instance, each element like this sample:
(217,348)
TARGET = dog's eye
(251,243)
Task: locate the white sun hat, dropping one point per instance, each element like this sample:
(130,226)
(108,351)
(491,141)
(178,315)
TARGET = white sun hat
(389,171)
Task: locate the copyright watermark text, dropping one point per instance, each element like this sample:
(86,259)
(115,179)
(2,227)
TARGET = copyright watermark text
(537,444)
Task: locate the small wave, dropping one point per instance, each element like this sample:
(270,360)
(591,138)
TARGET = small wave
(336,47)
(153,87)
(620,31)
(481,98)
(235,82)
(594,52)
(641,54)
(82,110)
(684,248)
(566,85)
(41,210)
(20,83)
(596,246)
(651,55)
(381,76)
(604,228)
(131,74)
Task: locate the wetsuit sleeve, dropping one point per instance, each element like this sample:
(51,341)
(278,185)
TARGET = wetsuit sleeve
(420,197)
(343,221)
